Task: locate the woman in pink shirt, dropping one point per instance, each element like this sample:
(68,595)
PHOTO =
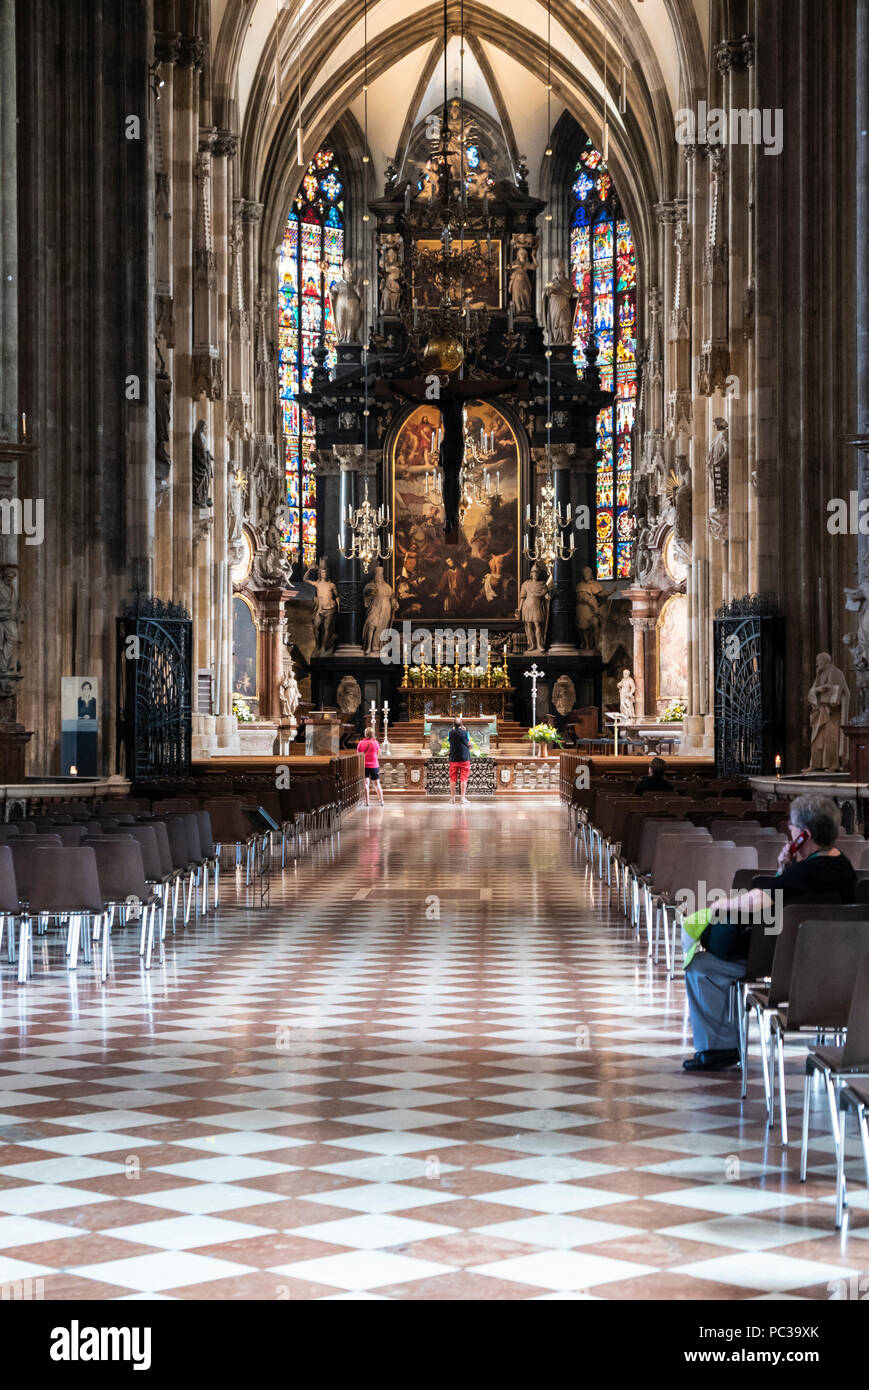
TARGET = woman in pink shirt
(370,749)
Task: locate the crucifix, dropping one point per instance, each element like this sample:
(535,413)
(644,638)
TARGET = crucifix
(450,400)
(534,675)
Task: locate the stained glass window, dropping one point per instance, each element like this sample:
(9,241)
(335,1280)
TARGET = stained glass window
(312,254)
(604,270)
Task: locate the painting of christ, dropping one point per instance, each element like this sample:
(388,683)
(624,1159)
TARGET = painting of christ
(478,578)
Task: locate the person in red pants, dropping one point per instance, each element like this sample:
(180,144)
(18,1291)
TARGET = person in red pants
(460,759)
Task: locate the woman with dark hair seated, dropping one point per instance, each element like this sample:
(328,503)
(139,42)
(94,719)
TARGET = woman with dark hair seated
(810,864)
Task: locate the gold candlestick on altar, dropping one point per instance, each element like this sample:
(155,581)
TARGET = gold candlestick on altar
(457,669)
(488,666)
(438,674)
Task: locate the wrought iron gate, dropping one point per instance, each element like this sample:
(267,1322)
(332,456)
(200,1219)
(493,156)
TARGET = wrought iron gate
(155,646)
(749,687)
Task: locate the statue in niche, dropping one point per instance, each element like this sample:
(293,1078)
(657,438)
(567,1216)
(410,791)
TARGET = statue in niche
(346,300)
(326,605)
(718,471)
(289,693)
(829,701)
(348,696)
(564,696)
(534,599)
(10,666)
(588,605)
(203,468)
(235,516)
(262,489)
(381,605)
(272,566)
(627,688)
(857,601)
(559,300)
(162,413)
(523,262)
(390,281)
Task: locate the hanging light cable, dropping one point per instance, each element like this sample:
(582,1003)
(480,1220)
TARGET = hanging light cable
(300,151)
(606,129)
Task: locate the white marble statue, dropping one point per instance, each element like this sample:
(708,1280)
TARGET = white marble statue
(627,689)
(289,692)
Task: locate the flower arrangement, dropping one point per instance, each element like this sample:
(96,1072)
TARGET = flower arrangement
(545,733)
(674,713)
(242,710)
(476,750)
(421,675)
(498,676)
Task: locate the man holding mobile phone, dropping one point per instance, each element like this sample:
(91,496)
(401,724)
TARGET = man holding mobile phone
(809,864)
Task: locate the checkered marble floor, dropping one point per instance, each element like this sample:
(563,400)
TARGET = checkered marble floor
(437,1066)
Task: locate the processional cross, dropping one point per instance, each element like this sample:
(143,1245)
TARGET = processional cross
(534,676)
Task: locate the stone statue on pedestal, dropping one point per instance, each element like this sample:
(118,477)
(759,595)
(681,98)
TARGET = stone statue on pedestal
(10,666)
(381,605)
(588,614)
(390,281)
(718,470)
(348,697)
(289,693)
(346,300)
(627,689)
(326,604)
(829,700)
(559,302)
(857,601)
(523,262)
(534,599)
(564,696)
(203,468)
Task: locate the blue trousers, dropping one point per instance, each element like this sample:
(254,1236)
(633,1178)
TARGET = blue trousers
(707,984)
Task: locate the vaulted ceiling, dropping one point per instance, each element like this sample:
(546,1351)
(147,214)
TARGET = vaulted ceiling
(265,54)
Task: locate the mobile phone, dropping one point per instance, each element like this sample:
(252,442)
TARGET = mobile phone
(797,843)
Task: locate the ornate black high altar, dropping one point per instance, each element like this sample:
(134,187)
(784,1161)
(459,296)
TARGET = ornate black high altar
(371,391)
(749,687)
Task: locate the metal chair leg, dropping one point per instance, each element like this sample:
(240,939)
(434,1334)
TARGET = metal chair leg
(804,1143)
(840,1172)
(783,1107)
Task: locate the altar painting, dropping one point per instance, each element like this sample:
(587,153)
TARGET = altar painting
(479,577)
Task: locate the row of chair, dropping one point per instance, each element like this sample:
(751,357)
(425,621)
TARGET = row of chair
(800,977)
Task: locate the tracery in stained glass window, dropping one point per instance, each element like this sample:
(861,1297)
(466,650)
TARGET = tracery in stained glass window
(603,263)
(312,254)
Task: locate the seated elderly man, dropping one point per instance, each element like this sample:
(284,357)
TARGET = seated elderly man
(810,864)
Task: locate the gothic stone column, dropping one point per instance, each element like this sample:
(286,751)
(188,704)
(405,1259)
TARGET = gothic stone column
(644,623)
(270,623)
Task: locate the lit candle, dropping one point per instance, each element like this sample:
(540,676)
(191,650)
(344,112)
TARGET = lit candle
(527,511)
(73,771)
(433,445)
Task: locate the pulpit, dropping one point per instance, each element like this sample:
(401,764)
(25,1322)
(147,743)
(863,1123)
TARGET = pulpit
(322,734)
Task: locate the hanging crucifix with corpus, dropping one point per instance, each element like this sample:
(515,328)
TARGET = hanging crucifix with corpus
(451,399)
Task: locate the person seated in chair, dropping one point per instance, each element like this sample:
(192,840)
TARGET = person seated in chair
(810,864)
(655,781)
